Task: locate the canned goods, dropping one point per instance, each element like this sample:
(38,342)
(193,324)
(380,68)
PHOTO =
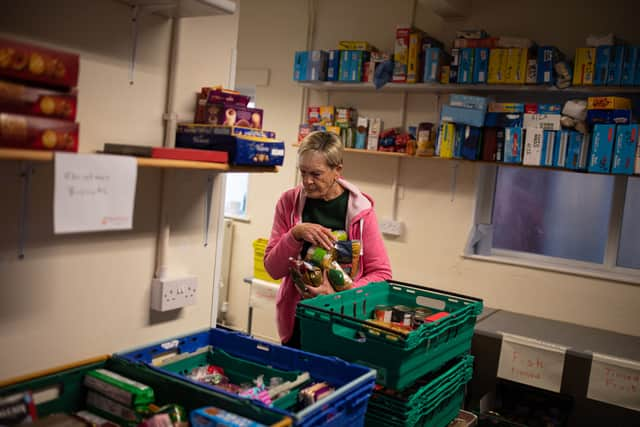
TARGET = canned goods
(383,313)
(419,315)
(402,315)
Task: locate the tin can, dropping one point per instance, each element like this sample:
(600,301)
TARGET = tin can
(383,313)
(418,316)
(402,315)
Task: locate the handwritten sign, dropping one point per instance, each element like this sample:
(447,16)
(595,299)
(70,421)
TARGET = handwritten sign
(615,381)
(93,192)
(533,362)
(263,294)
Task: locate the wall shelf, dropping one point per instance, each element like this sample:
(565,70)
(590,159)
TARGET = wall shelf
(437,88)
(185,8)
(47,156)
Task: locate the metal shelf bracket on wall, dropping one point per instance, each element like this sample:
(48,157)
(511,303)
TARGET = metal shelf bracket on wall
(207,210)
(26,172)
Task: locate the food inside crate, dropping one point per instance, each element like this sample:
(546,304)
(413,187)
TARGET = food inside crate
(404,319)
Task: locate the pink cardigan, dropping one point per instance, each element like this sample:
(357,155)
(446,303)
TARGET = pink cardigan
(363,226)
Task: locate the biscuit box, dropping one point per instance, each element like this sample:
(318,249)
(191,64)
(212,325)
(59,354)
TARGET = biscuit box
(258,151)
(224,96)
(21,99)
(30,63)
(20,131)
(232,115)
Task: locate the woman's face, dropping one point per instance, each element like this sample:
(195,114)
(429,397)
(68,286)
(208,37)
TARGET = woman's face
(317,176)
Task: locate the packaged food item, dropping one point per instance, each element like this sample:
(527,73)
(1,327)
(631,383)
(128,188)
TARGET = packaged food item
(17,408)
(232,115)
(313,393)
(30,63)
(38,133)
(215,417)
(425,142)
(118,388)
(21,99)
(58,420)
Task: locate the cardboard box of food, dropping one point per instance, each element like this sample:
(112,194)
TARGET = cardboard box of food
(232,115)
(20,131)
(31,101)
(30,63)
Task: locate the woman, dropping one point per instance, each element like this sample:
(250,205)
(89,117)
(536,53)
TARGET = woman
(307,214)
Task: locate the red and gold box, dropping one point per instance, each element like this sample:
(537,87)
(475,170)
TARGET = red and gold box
(35,64)
(20,131)
(21,99)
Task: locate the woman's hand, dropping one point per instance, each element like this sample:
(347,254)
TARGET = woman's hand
(315,234)
(324,289)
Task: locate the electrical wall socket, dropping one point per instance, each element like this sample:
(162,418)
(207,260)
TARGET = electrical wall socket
(391,227)
(171,294)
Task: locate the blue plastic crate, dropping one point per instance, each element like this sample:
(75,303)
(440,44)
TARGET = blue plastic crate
(346,406)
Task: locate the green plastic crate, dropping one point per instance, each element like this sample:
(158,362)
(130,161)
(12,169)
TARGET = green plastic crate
(336,325)
(428,398)
(66,393)
(238,371)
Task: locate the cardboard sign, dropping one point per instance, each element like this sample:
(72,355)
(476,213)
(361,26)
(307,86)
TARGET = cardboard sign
(615,381)
(528,361)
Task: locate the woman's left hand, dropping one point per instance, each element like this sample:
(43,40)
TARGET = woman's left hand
(324,289)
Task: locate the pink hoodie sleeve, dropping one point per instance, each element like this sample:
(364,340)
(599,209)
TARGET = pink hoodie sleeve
(282,244)
(375,261)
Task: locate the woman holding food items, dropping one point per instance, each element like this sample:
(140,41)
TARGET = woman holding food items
(314,224)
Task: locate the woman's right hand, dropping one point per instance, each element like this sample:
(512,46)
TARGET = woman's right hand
(314,233)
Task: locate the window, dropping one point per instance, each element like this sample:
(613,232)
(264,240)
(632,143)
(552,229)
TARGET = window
(582,223)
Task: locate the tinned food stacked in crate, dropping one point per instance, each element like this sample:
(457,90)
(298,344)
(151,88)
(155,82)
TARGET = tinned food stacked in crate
(427,363)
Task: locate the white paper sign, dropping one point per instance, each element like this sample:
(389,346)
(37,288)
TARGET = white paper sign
(93,192)
(263,294)
(528,361)
(615,381)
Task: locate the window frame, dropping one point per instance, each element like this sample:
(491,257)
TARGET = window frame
(479,244)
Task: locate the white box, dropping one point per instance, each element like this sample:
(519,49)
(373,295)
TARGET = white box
(375,127)
(542,121)
(533,147)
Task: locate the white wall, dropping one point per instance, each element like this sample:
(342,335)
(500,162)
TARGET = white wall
(79,296)
(437,222)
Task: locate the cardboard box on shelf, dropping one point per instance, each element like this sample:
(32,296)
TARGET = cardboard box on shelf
(513,145)
(604,137)
(625,149)
(31,101)
(20,131)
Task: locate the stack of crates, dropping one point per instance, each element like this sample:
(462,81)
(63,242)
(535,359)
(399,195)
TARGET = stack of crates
(421,375)
(259,272)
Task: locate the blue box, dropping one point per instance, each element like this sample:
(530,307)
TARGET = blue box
(513,145)
(333,65)
(560,149)
(603,140)
(465,71)
(481,65)
(503,120)
(548,146)
(458,141)
(471,137)
(468,101)
(618,117)
(637,73)
(624,154)
(601,71)
(344,407)
(300,64)
(257,151)
(455,65)
(615,66)
(549,108)
(358,58)
(317,65)
(345,66)
(433,61)
(546,55)
(577,151)
(629,66)
(463,116)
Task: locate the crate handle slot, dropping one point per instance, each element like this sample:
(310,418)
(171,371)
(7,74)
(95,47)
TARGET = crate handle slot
(263,347)
(47,394)
(431,302)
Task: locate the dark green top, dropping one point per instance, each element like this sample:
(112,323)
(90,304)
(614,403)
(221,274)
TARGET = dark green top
(328,213)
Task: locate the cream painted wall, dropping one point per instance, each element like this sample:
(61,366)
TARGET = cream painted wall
(78,296)
(437,220)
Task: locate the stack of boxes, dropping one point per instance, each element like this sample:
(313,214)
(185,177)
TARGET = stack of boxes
(461,127)
(224,122)
(607,65)
(38,100)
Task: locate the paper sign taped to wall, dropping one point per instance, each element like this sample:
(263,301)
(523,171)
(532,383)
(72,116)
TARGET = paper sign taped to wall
(533,362)
(93,192)
(615,381)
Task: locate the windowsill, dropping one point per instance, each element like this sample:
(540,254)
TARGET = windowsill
(239,218)
(576,271)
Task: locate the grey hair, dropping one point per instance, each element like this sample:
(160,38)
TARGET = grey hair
(327,143)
